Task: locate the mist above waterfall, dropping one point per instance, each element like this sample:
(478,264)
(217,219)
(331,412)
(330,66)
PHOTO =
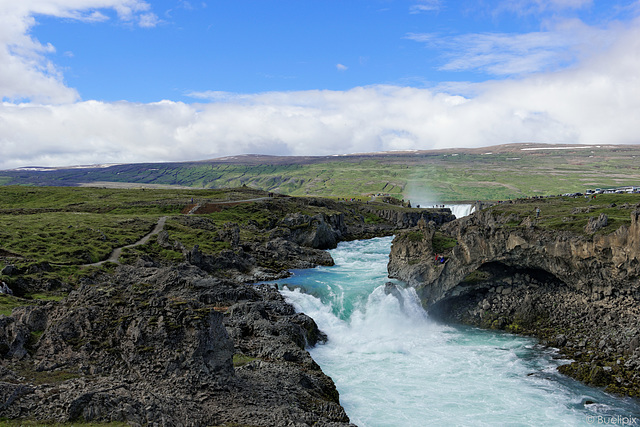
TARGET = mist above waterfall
(421,196)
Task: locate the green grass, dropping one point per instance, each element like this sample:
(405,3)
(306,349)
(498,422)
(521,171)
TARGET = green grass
(52,233)
(241,360)
(67,226)
(9,302)
(70,237)
(451,175)
(102,200)
(370,218)
(571,214)
(442,243)
(415,236)
(5,422)
(45,297)
(465,176)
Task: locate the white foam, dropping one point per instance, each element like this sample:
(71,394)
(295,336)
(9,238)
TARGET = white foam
(393,365)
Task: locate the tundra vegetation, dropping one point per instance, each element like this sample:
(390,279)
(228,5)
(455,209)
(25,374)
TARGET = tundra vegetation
(52,238)
(489,173)
(171,328)
(55,233)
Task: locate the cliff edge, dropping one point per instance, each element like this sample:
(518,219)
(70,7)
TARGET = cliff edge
(569,276)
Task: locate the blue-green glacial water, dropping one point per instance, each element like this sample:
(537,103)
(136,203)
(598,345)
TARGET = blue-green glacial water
(394,366)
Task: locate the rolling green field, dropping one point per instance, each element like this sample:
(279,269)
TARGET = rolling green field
(454,175)
(71,226)
(51,234)
(570,213)
(56,233)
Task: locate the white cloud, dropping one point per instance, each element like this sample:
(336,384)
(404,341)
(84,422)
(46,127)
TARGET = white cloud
(26,73)
(523,7)
(563,44)
(148,20)
(341,67)
(596,100)
(425,6)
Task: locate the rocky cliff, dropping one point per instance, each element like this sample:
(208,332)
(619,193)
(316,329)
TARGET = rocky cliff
(167,346)
(183,339)
(407,218)
(578,291)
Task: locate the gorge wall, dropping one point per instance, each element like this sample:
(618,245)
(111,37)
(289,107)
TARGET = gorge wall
(578,292)
(188,342)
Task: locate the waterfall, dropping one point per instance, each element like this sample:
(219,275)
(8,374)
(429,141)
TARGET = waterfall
(393,365)
(461,210)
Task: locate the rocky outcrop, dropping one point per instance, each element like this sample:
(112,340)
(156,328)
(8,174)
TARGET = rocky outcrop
(188,344)
(259,262)
(167,346)
(595,265)
(578,292)
(318,231)
(407,218)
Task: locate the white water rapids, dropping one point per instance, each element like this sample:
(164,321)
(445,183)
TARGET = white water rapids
(394,366)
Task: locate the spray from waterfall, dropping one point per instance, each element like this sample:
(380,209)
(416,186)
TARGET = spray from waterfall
(423,197)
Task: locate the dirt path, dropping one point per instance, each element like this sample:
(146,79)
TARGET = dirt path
(115,255)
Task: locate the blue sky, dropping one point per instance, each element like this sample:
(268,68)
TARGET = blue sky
(109,81)
(260,46)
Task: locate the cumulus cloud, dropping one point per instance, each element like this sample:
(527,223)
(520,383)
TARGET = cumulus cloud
(596,100)
(26,73)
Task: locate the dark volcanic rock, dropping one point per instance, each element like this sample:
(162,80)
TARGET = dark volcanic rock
(157,345)
(318,231)
(188,344)
(580,293)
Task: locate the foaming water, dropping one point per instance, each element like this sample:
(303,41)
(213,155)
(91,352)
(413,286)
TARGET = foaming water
(394,366)
(460,211)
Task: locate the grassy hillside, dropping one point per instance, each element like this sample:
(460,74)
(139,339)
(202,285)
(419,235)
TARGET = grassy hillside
(71,226)
(569,213)
(490,173)
(54,233)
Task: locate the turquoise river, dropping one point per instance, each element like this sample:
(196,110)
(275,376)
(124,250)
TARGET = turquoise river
(394,366)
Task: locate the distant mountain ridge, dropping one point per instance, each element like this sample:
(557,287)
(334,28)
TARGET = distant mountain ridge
(454,174)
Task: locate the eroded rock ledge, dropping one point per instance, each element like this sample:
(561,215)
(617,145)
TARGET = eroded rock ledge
(189,342)
(165,346)
(576,292)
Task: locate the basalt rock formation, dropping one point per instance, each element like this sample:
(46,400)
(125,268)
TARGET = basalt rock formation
(167,346)
(408,218)
(185,340)
(189,342)
(578,292)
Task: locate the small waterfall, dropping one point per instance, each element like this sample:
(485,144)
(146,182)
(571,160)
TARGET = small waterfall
(461,210)
(393,365)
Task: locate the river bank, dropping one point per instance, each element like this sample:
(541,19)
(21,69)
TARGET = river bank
(576,288)
(177,334)
(393,364)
